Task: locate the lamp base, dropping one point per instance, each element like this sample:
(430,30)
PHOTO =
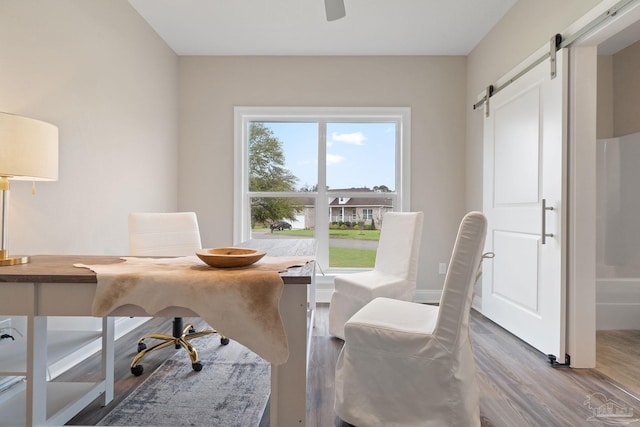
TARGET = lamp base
(5,259)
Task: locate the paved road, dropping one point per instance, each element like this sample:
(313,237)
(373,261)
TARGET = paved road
(340,243)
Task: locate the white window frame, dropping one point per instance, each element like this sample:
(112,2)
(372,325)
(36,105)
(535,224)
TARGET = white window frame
(242,196)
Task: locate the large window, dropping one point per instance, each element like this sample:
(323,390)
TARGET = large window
(293,164)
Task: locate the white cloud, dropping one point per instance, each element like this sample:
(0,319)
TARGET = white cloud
(355,138)
(333,159)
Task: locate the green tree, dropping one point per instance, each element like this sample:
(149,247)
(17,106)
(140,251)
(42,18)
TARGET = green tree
(267,172)
(381,189)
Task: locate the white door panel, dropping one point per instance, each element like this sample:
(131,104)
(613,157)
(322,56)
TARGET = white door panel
(516,276)
(524,157)
(517,150)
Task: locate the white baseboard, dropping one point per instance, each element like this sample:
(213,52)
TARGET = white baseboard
(324,291)
(617,316)
(617,304)
(323,296)
(617,301)
(324,288)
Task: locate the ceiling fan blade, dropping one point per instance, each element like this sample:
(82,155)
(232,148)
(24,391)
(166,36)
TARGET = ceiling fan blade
(335,9)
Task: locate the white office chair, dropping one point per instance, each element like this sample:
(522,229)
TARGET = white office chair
(393,276)
(410,364)
(167,234)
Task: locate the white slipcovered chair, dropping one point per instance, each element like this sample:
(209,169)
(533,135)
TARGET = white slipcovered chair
(167,234)
(393,276)
(409,364)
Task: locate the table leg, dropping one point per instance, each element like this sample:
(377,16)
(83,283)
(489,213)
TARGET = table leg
(108,353)
(36,393)
(311,313)
(289,381)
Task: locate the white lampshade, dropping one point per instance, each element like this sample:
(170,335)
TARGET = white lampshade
(28,148)
(28,151)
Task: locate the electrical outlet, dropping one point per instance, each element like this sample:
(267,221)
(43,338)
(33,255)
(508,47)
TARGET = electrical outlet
(442,268)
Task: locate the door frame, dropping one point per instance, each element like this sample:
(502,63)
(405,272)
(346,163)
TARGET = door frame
(581,302)
(581,212)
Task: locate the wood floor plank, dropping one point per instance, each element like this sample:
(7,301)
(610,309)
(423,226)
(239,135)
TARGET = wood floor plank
(125,382)
(518,387)
(617,355)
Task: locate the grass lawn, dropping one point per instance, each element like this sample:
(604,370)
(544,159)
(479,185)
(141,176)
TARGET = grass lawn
(351,257)
(355,234)
(344,257)
(337,234)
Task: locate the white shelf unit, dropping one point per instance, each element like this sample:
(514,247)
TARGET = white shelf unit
(60,345)
(31,357)
(65,400)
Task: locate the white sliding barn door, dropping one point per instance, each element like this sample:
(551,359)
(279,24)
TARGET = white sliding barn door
(524,166)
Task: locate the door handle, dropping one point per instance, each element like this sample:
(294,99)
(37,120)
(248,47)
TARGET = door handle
(544,233)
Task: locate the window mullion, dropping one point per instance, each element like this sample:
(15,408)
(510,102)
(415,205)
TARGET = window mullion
(322,202)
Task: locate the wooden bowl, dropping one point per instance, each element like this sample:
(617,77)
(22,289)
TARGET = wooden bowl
(230,257)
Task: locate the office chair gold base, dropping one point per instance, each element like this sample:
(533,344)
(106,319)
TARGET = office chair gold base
(166,340)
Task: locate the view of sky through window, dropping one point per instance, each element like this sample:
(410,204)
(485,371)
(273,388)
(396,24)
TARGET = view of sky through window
(358,154)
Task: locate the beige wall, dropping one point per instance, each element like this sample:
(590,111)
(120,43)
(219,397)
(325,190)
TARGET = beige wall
(526,27)
(604,123)
(97,71)
(122,100)
(618,93)
(434,88)
(626,91)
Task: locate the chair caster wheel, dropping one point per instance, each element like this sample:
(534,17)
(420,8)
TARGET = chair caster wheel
(197,366)
(192,331)
(224,341)
(141,346)
(137,370)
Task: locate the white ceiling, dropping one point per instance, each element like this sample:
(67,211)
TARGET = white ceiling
(299,27)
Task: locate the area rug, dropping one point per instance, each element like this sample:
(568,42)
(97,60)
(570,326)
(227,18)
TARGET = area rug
(231,390)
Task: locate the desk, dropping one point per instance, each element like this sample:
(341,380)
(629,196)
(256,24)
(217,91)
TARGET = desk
(51,286)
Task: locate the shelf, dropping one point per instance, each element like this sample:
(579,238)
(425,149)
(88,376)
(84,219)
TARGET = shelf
(65,348)
(59,394)
(60,344)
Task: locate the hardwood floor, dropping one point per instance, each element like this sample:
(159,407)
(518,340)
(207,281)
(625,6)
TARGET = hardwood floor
(617,356)
(518,386)
(125,382)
